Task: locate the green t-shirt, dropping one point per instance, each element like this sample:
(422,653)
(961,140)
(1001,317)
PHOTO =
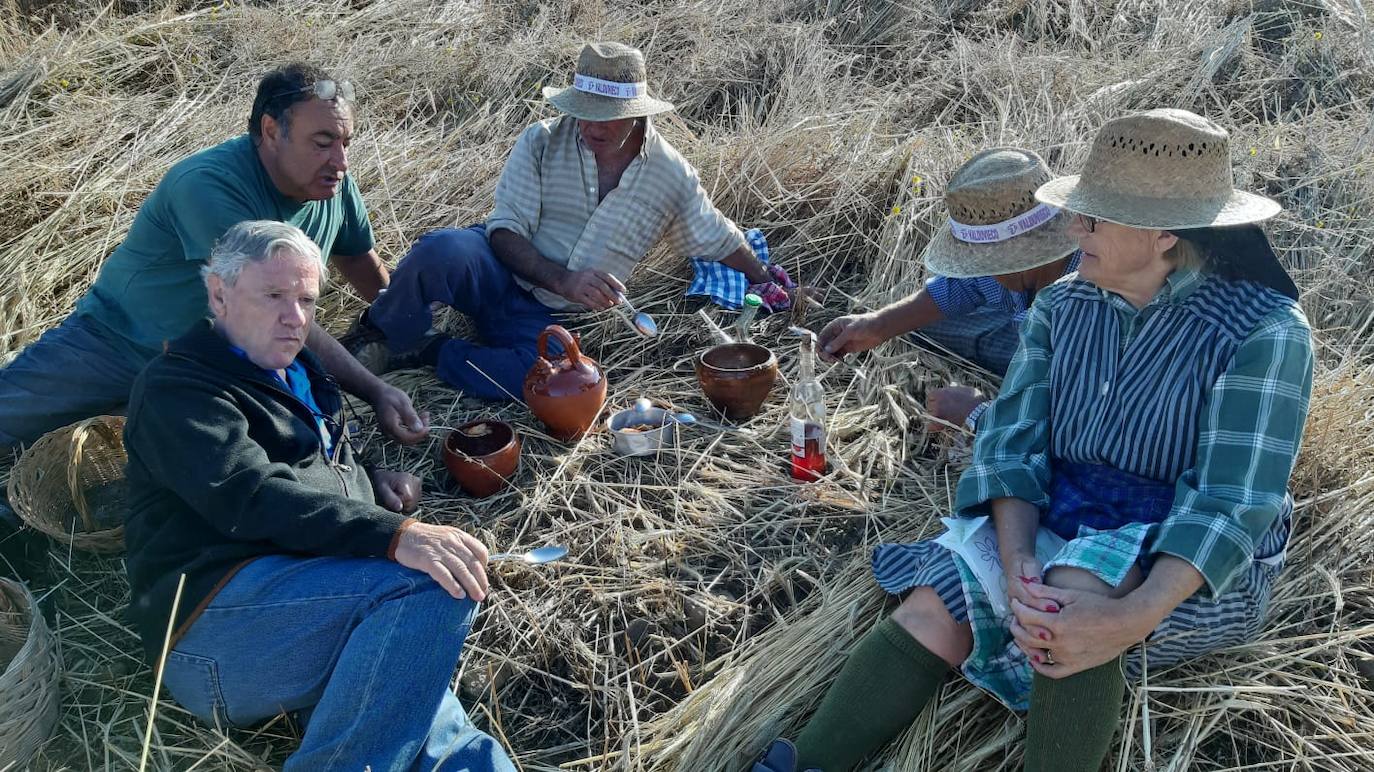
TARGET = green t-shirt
(150,290)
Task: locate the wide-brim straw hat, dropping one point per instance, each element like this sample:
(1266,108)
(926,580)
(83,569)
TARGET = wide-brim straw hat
(1160,169)
(995,224)
(610,84)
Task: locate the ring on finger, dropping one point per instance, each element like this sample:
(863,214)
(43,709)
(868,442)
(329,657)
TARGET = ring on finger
(1049,658)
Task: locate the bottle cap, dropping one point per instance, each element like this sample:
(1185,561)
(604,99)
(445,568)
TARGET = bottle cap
(753,300)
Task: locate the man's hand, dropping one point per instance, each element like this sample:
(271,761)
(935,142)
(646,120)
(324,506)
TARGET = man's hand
(594,289)
(397,417)
(850,334)
(397,491)
(952,404)
(454,559)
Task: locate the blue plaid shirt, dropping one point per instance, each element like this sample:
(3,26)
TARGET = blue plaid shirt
(957,297)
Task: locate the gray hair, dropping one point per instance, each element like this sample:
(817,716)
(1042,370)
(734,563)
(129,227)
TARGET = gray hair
(253,241)
(1186,254)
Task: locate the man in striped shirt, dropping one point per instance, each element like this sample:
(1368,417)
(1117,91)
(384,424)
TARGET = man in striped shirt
(582,199)
(998,250)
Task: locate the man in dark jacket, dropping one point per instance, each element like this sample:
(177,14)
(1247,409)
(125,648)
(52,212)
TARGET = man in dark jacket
(305,587)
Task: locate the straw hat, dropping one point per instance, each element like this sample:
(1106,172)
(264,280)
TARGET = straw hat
(1160,169)
(610,84)
(995,225)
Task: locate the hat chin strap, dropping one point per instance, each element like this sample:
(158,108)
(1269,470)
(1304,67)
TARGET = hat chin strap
(609,88)
(991,234)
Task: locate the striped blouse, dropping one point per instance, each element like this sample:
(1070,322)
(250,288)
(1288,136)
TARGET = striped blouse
(1205,388)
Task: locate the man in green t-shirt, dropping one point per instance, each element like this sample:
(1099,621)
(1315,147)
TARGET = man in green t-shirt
(291,166)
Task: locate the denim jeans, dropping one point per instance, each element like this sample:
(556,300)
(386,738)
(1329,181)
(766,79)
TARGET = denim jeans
(76,370)
(456,267)
(365,647)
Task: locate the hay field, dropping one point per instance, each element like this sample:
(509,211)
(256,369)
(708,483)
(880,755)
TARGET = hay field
(707,599)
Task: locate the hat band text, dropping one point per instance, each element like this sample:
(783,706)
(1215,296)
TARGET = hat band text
(991,234)
(608,88)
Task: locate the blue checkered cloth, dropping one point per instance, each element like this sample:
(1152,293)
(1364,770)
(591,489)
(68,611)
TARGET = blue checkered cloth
(724,285)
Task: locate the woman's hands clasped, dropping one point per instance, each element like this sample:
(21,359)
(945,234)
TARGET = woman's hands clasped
(1067,631)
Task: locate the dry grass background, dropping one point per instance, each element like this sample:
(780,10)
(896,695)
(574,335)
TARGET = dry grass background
(707,599)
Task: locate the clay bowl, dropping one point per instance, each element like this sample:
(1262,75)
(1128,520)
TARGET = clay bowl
(481,455)
(737,377)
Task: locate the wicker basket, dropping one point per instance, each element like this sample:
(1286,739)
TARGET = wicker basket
(70,484)
(30,674)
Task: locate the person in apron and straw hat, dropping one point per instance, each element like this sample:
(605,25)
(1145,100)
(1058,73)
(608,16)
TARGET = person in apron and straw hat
(999,248)
(583,197)
(1133,470)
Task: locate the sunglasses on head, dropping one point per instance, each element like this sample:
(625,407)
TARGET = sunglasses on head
(327,89)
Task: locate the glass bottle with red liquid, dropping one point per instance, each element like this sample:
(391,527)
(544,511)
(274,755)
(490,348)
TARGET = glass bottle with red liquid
(808,417)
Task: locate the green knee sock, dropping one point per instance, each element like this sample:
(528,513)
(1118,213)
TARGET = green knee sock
(1072,720)
(882,688)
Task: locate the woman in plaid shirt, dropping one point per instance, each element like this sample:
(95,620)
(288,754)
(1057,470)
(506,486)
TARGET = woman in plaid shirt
(1134,467)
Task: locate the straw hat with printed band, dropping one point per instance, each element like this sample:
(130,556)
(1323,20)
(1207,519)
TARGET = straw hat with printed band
(995,225)
(1161,169)
(610,84)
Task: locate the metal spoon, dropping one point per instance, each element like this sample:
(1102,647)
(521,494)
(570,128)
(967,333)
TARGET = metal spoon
(687,419)
(534,557)
(641,322)
(643,405)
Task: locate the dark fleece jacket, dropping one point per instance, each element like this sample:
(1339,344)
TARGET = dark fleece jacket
(225,465)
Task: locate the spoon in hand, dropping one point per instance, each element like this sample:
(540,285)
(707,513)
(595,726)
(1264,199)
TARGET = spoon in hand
(640,321)
(844,360)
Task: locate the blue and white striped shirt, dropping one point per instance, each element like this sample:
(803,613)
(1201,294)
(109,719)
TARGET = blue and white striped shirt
(957,297)
(1206,388)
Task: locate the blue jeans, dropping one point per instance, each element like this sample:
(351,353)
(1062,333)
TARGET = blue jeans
(76,370)
(455,266)
(365,646)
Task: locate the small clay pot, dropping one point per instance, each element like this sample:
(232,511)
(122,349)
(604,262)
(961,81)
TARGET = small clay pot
(565,393)
(737,377)
(481,455)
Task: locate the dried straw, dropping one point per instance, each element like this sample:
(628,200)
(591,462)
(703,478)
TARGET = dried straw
(700,579)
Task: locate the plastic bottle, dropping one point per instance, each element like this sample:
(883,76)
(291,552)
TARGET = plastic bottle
(747,312)
(808,417)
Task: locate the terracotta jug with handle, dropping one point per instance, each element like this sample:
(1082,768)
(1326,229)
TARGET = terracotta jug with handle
(565,393)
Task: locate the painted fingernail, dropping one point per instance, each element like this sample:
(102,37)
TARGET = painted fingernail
(1052,608)
(1035,658)
(1044,636)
